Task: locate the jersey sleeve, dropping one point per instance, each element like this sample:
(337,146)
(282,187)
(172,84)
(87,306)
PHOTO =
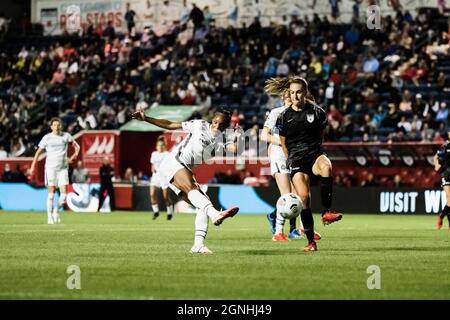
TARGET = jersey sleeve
(322,115)
(271,120)
(190,126)
(43,142)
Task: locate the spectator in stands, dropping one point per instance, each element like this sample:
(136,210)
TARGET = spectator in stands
(371,64)
(19,175)
(80,174)
(442,114)
(398,183)
(3,153)
(197,17)
(129,176)
(129,18)
(7,174)
(369,181)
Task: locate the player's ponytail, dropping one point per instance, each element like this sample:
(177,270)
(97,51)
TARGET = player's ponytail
(277,86)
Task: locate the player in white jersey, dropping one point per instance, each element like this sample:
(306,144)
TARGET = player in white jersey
(56,166)
(176,169)
(156,182)
(278,163)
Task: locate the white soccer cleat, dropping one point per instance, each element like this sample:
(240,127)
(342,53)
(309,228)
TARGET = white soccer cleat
(201,249)
(50,221)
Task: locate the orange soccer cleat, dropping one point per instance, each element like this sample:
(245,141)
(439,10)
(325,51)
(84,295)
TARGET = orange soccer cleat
(280,237)
(312,246)
(330,216)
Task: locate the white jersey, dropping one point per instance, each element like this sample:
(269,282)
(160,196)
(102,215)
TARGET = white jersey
(56,148)
(275,150)
(199,145)
(157,157)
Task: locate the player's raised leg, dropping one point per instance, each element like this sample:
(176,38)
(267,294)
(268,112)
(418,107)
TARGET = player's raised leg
(323,169)
(184,180)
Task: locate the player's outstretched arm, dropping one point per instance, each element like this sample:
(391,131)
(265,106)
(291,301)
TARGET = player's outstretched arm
(162,123)
(437,165)
(36,157)
(76,147)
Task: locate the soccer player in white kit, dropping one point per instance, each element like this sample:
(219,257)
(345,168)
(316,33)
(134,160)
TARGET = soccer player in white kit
(156,182)
(278,162)
(56,166)
(176,169)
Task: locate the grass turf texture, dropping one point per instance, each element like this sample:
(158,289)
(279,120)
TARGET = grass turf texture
(126,255)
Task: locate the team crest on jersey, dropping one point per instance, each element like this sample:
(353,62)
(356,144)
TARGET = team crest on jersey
(310,118)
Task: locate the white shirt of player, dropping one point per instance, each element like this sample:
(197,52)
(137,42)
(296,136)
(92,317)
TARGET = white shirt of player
(275,150)
(56,148)
(199,145)
(157,157)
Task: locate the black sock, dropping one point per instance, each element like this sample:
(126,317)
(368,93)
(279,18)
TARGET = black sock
(446,211)
(326,191)
(308,223)
(273,214)
(292,224)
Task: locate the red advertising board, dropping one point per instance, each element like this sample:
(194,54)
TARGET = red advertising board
(95,146)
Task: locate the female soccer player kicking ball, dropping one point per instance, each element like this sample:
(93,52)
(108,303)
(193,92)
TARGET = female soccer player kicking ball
(176,168)
(301,129)
(56,166)
(156,181)
(278,161)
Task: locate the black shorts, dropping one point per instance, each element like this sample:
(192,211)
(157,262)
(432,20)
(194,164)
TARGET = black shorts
(304,165)
(445,177)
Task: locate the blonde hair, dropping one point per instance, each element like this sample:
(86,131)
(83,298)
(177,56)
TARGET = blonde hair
(280,86)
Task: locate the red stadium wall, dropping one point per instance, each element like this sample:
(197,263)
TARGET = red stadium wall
(411,161)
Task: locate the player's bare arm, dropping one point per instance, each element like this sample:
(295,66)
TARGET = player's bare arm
(437,165)
(267,136)
(283,146)
(36,157)
(162,123)
(76,147)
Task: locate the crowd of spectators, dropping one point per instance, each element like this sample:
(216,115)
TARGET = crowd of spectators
(390,84)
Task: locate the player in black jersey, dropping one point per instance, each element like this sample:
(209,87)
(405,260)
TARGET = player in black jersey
(442,165)
(301,130)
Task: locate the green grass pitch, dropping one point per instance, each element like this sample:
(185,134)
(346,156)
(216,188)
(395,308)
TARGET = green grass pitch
(126,255)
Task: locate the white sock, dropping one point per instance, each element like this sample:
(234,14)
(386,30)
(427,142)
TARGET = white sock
(279,225)
(61,201)
(202,202)
(201,227)
(155,208)
(169,209)
(50,198)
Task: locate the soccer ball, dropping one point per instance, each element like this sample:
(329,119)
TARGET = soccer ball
(289,206)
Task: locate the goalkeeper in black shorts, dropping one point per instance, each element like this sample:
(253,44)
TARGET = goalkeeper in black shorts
(442,165)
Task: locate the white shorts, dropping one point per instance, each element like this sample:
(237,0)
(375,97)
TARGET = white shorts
(56,177)
(157,182)
(167,170)
(278,165)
